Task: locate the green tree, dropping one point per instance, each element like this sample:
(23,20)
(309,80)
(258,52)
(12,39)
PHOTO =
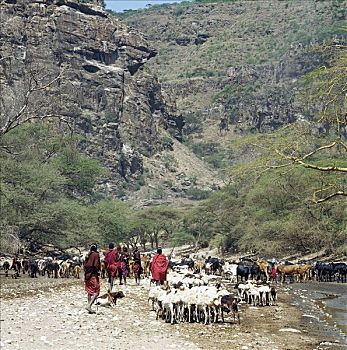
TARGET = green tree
(34,189)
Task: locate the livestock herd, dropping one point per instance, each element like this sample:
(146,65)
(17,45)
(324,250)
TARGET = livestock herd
(241,269)
(203,290)
(198,290)
(51,267)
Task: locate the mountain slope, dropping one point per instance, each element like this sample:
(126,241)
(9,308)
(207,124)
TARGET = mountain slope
(243,55)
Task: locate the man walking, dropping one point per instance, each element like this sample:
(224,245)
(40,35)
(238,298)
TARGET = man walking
(91,276)
(160,265)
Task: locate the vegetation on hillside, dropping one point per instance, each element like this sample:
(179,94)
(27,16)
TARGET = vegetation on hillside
(285,191)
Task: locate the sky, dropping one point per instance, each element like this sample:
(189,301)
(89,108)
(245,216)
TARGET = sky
(121,5)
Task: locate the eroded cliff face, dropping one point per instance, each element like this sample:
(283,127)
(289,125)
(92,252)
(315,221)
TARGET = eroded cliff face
(104,93)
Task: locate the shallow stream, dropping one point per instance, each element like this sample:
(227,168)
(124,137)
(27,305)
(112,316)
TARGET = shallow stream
(324,302)
(336,306)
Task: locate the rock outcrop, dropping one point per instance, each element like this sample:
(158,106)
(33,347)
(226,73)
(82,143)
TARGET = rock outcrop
(104,91)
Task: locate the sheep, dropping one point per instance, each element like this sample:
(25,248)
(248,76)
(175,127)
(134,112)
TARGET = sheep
(264,294)
(190,297)
(253,295)
(153,294)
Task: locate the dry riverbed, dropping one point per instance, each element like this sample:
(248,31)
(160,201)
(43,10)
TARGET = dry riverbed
(44,313)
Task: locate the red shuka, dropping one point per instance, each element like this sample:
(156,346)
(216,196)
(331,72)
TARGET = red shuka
(91,273)
(159,267)
(110,260)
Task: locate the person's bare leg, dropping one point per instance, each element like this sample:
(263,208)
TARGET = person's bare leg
(111,284)
(91,299)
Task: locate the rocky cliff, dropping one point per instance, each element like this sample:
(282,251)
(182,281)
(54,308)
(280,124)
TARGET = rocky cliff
(104,91)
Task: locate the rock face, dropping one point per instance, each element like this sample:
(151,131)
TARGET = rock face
(104,93)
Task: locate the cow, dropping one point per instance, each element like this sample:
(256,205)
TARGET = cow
(213,265)
(288,270)
(324,271)
(243,272)
(340,271)
(146,263)
(34,268)
(6,266)
(264,268)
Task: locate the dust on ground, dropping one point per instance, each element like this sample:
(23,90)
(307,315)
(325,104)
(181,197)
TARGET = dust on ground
(46,313)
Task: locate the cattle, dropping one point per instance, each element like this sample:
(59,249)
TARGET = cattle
(34,269)
(243,272)
(304,272)
(264,268)
(213,266)
(146,264)
(340,271)
(299,270)
(324,271)
(55,268)
(287,270)
(25,265)
(328,272)
(6,266)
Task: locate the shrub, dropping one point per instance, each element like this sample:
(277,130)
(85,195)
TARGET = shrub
(197,194)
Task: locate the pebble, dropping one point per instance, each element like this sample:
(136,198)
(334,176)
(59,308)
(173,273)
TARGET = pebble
(292,330)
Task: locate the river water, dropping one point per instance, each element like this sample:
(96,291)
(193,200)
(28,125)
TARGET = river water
(324,303)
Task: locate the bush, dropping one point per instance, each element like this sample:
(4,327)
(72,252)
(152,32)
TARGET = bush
(197,194)
(167,143)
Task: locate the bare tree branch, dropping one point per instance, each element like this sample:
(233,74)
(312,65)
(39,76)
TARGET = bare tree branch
(330,196)
(313,166)
(24,114)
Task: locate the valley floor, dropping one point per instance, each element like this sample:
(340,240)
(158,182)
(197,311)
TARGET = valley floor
(44,313)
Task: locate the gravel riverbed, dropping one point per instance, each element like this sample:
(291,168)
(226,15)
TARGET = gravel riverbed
(45,313)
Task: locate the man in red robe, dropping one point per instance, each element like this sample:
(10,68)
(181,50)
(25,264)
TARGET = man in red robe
(91,276)
(111,258)
(160,265)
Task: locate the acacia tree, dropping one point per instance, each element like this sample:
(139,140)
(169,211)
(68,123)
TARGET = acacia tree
(159,222)
(326,88)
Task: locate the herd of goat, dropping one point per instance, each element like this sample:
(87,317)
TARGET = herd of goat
(194,290)
(188,297)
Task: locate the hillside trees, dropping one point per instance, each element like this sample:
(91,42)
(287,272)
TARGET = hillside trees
(273,215)
(36,193)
